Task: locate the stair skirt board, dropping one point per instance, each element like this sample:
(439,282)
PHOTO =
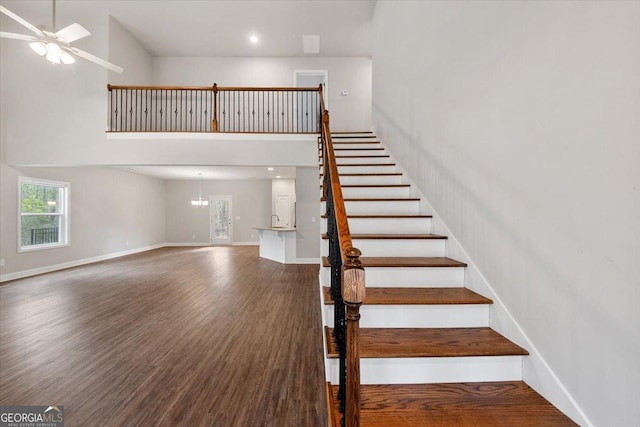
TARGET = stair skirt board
(411,277)
(395,247)
(386,225)
(419,370)
(421,316)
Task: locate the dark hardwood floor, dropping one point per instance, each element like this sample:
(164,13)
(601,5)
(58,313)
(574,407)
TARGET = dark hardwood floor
(210,336)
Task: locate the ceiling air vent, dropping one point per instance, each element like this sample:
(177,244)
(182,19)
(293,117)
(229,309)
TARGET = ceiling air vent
(311,43)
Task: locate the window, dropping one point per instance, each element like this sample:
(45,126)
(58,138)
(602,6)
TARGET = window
(43,220)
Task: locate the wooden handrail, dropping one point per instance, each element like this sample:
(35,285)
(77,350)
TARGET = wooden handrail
(351,280)
(111,87)
(211,88)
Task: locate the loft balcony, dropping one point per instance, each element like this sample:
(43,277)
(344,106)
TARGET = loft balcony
(214,109)
(247,126)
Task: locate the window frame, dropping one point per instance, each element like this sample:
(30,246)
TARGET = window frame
(63,232)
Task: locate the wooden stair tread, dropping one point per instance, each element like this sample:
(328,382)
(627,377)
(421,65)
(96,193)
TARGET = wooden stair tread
(394,236)
(359,156)
(359,149)
(385,216)
(354,142)
(363,164)
(416,296)
(359,134)
(429,342)
(369,174)
(376,186)
(370,262)
(481,404)
(379,199)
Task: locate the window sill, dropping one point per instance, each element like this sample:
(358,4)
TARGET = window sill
(42,247)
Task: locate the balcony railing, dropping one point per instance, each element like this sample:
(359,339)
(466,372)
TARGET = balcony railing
(41,236)
(214,109)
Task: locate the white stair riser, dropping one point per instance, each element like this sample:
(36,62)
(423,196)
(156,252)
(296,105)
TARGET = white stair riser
(408,277)
(390,225)
(381,192)
(366,169)
(395,248)
(351,145)
(359,160)
(366,151)
(368,180)
(393,207)
(416,370)
(420,316)
(385,225)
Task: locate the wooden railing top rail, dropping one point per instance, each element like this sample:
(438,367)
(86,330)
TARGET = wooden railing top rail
(214,87)
(111,87)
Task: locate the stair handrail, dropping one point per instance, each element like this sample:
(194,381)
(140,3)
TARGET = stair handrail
(347,279)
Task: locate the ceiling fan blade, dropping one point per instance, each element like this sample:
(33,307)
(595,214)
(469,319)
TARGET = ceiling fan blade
(95,59)
(21,21)
(72,33)
(18,36)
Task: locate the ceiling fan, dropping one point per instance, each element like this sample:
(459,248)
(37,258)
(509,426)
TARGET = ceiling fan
(54,45)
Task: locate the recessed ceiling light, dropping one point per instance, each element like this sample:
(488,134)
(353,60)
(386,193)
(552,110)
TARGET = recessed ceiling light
(270,169)
(278,176)
(254,39)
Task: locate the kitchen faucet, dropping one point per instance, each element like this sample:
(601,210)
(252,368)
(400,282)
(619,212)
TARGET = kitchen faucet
(271,219)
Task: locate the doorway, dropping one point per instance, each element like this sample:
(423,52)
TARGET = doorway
(307,111)
(221,229)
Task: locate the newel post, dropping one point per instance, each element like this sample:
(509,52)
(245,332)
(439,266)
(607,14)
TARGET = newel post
(214,121)
(353,293)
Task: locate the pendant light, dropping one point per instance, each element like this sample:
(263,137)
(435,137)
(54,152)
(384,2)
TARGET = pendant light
(200,203)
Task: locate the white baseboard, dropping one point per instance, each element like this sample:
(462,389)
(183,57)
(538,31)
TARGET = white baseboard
(307,261)
(245,244)
(41,270)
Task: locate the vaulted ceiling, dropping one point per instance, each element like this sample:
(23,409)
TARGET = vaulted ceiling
(211,28)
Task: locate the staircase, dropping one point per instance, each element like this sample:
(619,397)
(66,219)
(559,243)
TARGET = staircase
(428,355)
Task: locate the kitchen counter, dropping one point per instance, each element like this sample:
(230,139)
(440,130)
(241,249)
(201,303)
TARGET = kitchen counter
(278,244)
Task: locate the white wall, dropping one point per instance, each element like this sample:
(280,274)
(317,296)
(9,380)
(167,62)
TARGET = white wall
(126,51)
(251,201)
(348,113)
(55,114)
(519,122)
(111,212)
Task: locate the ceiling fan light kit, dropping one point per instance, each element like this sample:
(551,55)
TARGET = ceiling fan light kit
(55,46)
(53,52)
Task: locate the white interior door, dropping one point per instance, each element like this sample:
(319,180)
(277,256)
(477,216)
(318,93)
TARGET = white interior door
(221,226)
(283,207)
(307,109)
